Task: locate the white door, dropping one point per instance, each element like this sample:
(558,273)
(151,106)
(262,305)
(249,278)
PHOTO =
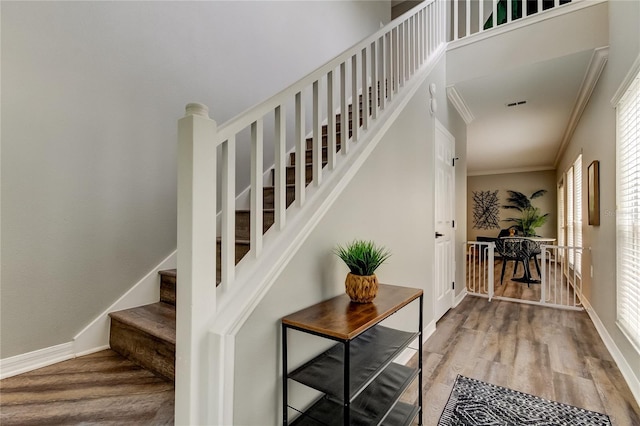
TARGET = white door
(444,220)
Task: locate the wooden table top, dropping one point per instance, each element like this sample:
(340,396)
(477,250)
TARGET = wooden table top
(343,319)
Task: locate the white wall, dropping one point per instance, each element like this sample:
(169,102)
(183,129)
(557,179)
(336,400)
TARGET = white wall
(390,201)
(524,46)
(525,182)
(91,94)
(595,137)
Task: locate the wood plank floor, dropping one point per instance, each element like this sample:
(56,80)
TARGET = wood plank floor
(552,353)
(98,389)
(556,354)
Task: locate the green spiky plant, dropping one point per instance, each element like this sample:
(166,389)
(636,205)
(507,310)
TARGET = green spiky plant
(362,257)
(531,217)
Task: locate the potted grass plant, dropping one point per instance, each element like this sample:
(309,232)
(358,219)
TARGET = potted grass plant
(362,258)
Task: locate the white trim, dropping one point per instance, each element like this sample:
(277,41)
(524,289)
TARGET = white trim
(513,170)
(523,22)
(459,298)
(627,371)
(459,104)
(626,82)
(591,77)
(254,281)
(37,359)
(95,336)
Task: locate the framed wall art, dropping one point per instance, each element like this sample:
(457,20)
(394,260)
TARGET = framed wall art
(594,193)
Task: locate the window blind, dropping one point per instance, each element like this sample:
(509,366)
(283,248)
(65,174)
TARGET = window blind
(628,211)
(569,218)
(577,213)
(561,218)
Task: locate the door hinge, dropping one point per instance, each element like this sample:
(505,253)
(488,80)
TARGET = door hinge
(453,285)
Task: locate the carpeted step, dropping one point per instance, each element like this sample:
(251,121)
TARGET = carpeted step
(146,335)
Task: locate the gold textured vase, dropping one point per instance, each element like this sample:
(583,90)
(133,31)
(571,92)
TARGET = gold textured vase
(361,288)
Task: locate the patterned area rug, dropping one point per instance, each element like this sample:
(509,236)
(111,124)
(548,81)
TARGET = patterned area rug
(473,402)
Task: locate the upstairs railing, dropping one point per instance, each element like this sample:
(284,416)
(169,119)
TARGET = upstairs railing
(371,73)
(471,17)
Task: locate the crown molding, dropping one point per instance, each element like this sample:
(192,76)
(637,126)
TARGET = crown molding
(591,77)
(509,171)
(626,82)
(459,104)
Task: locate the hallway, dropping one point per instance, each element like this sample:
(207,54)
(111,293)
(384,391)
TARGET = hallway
(552,353)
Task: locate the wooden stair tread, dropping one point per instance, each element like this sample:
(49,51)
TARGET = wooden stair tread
(168,272)
(238,241)
(157,319)
(249,210)
(147,334)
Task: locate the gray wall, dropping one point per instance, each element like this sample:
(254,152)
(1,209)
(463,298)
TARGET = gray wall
(91,94)
(595,136)
(527,183)
(371,207)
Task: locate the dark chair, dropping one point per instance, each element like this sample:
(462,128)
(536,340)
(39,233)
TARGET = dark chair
(519,250)
(534,250)
(485,240)
(509,249)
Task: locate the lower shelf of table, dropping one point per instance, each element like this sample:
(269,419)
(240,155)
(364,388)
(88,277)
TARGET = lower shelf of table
(403,414)
(372,406)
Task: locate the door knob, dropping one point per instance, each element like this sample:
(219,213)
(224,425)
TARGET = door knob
(438,235)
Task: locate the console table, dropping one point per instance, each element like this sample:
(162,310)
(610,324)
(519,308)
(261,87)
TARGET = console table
(358,378)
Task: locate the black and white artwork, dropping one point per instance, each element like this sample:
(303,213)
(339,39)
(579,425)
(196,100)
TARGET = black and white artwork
(486,210)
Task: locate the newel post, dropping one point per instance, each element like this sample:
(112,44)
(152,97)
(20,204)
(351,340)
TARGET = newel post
(196,264)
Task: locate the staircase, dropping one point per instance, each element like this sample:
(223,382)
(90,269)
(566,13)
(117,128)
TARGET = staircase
(243,216)
(396,59)
(146,334)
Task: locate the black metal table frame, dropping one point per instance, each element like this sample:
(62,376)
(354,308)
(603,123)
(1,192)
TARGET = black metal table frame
(347,366)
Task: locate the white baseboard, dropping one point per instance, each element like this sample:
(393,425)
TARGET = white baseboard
(37,359)
(460,297)
(408,353)
(95,336)
(623,365)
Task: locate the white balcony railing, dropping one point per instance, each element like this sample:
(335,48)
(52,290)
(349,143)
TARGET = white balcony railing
(375,71)
(470,17)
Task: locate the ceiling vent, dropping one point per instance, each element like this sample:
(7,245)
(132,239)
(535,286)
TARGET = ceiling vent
(512,104)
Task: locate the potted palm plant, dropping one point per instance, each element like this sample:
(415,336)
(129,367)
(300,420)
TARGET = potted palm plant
(362,258)
(530,217)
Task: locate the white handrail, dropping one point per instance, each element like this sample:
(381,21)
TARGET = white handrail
(244,119)
(382,63)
